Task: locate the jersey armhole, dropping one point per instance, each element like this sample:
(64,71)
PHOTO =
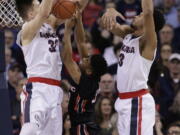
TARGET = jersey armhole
(144,57)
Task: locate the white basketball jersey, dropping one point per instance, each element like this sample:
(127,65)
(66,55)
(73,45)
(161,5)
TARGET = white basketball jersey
(133,69)
(42,55)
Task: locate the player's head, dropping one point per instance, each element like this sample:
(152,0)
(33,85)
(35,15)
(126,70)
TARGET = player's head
(94,65)
(159,21)
(27,9)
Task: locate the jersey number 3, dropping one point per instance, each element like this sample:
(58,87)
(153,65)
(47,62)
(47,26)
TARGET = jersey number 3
(53,45)
(121,58)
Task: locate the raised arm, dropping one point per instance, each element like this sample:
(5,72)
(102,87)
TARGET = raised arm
(66,54)
(80,37)
(108,21)
(30,29)
(149,39)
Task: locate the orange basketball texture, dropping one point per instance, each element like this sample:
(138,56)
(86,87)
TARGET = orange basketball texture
(64,9)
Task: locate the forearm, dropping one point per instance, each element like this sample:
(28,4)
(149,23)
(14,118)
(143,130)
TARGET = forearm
(80,31)
(80,39)
(83,4)
(147,7)
(45,8)
(67,49)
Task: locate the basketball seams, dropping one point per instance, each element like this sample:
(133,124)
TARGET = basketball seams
(55,6)
(67,8)
(60,4)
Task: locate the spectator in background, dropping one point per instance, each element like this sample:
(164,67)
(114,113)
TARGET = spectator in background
(170,13)
(113,57)
(104,112)
(16,107)
(17,54)
(158,128)
(14,75)
(110,56)
(174,128)
(158,125)
(106,86)
(168,85)
(8,59)
(158,3)
(159,68)
(66,124)
(166,34)
(90,46)
(9,38)
(174,67)
(176,46)
(129,9)
(91,13)
(174,110)
(166,51)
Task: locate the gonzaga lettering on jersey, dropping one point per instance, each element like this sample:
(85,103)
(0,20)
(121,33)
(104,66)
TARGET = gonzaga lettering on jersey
(42,54)
(133,69)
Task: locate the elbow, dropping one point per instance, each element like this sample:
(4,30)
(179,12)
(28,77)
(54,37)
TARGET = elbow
(44,16)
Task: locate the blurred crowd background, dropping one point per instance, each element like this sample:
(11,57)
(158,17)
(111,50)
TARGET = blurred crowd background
(164,78)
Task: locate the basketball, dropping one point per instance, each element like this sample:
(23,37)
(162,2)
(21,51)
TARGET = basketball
(64,9)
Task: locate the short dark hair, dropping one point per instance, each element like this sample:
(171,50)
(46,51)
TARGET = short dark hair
(23,6)
(159,20)
(15,67)
(99,65)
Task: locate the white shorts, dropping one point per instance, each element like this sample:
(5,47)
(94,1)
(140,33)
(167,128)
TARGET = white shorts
(41,104)
(136,116)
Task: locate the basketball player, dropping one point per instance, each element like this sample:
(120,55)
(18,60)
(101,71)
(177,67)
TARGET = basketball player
(135,106)
(86,78)
(43,95)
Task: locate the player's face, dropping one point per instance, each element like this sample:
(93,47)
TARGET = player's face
(138,21)
(86,65)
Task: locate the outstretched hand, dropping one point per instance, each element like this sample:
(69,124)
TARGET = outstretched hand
(108,20)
